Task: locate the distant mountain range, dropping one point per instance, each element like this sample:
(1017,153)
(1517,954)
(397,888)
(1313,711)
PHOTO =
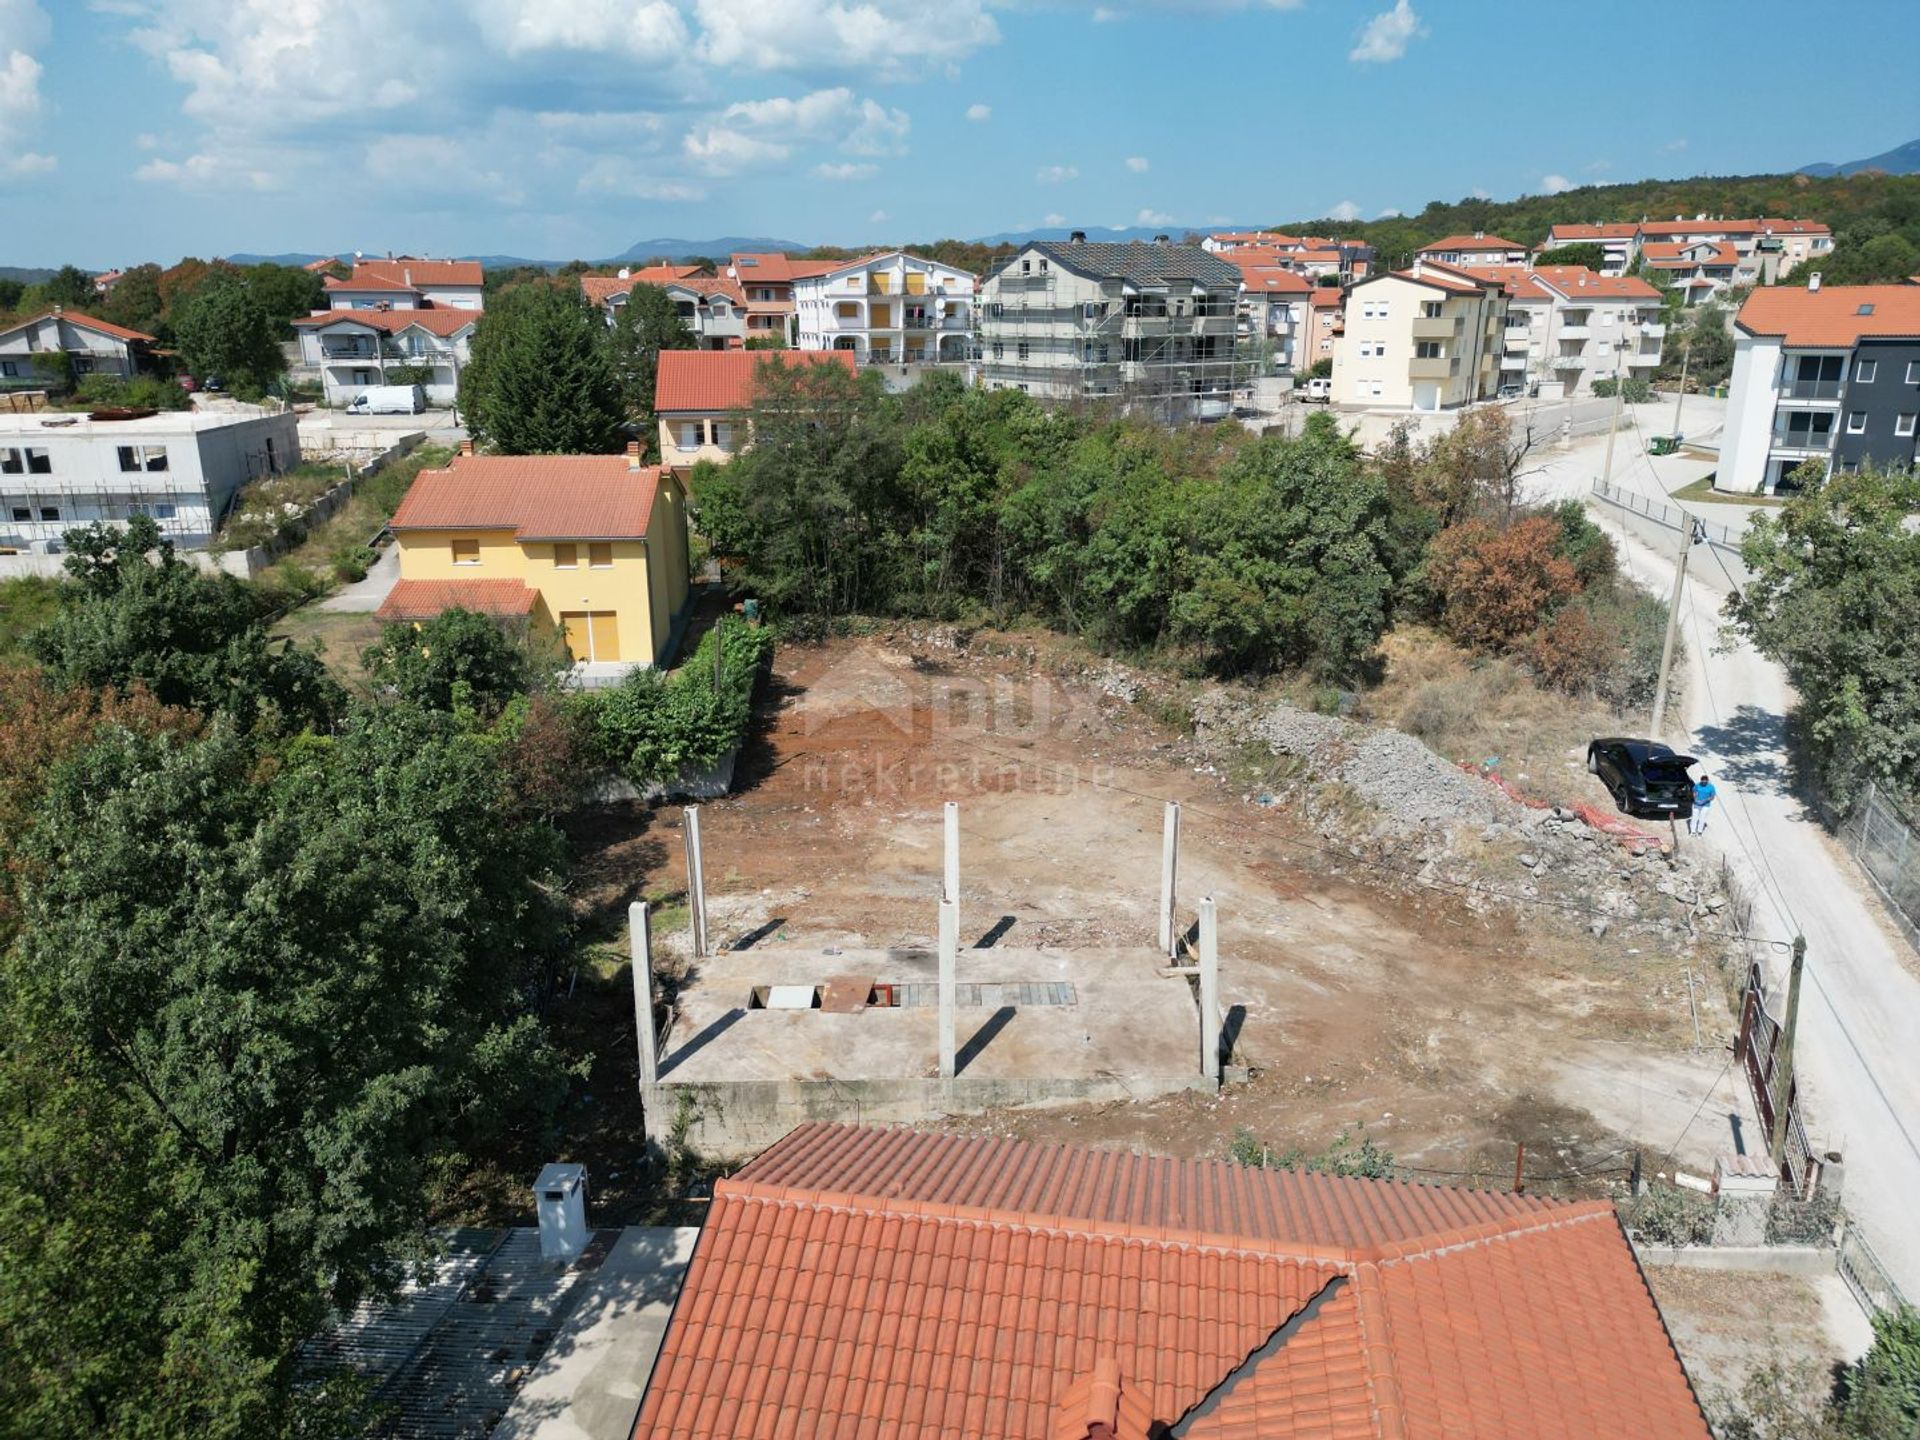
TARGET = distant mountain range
(26,274)
(1107,234)
(1902,160)
(717,249)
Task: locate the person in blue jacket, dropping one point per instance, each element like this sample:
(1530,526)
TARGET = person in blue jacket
(1703,797)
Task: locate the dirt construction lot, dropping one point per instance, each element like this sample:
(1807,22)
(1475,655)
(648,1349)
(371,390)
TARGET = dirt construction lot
(1452,1037)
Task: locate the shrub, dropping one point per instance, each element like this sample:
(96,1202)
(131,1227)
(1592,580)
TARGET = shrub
(457,660)
(1495,585)
(653,727)
(350,562)
(1670,1215)
(1635,391)
(142,391)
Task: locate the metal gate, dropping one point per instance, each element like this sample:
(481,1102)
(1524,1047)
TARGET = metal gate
(1755,1050)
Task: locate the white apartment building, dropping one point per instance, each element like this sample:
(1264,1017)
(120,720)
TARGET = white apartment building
(1761,251)
(356,350)
(1475,251)
(1153,325)
(95,347)
(1275,304)
(1427,338)
(893,308)
(714,307)
(1566,327)
(407,282)
(183,468)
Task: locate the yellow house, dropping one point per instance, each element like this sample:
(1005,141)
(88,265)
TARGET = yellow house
(594,543)
(697,395)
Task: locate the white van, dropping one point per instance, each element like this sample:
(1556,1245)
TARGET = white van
(389,400)
(1318,389)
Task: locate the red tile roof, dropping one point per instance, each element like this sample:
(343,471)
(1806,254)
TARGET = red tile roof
(898,1285)
(708,380)
(406,273)
(1577,282)
(85,322)
(538,497)
(1470,243)
(1669,254)
(601,288)
(1830,316)
(1266,277)
(424,599)
(1611,230)
(433,319)
(1707,227)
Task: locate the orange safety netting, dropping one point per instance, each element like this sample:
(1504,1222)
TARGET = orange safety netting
(1634,837)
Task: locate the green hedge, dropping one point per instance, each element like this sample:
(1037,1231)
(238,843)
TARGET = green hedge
(653,727)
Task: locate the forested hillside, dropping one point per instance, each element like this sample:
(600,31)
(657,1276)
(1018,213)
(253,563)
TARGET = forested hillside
(1875,217)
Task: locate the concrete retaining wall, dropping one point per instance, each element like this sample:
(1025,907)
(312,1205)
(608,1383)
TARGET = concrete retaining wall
(732,1121)
(1808,1260)
(1658,525)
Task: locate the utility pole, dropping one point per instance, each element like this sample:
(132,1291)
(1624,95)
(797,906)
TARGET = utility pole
(1613,428)
(1783,1055)
(1690,535)
(1686,359)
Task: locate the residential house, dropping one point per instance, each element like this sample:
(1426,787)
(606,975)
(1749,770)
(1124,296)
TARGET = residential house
(1619,243)
(699,394)
(596,544)
(107,281)
(94,347)
(891,308)
(1698,269)
(1314,255)
(766,279)
(181,468)
(1474,251)
(1225,242)
(1763,251)
(1567,327)
(895,1284)
(1326,323)
(1427,338)
(1826,373)
(712,306)
(1274,306)
(1155,325)
(355,350)
(408,283)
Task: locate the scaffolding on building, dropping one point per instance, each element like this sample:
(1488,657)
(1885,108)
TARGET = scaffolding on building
(1173,350)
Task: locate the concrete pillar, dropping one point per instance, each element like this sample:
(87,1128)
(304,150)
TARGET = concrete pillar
(640,924)
(949,967)
(696,884)
(1209,990)
(1169,864)
(951,890)
(1743,1190)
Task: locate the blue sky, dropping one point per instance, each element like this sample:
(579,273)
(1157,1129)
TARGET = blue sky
(148,129)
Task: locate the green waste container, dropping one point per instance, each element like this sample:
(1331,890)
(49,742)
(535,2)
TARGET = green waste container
(1664,444)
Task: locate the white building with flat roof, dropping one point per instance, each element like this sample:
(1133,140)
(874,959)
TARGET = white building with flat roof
(183,468)
(893,308)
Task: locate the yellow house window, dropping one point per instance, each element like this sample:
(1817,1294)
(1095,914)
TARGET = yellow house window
(600,557)
(466,552)
(566,557)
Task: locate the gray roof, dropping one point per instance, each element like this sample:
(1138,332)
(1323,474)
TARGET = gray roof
(1136,263)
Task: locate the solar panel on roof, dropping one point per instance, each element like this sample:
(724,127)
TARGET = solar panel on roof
(1866,309)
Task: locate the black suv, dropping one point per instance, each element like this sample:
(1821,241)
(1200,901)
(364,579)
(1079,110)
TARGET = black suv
(1645,778)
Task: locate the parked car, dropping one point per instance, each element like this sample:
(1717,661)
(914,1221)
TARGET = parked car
(1509,392)
(388,400)
(1319,389)
(1644,777)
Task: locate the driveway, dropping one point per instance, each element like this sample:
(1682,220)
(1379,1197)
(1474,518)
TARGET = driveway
(371,593)
(1860,1000)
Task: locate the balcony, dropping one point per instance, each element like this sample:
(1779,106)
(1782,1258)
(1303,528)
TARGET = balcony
(1638,358)
(1518,337)
(1819,392)
(1651,330)
(1575,332)
(1513,360)
(1569,362)
(349,352)
(1434,327)
(1437,367)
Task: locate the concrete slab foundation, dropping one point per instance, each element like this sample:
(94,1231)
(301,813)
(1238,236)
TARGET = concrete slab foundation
(740,1076)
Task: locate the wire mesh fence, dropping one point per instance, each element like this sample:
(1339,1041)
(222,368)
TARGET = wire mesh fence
(1881,835)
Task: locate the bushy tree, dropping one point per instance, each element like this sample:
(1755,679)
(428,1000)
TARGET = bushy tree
(279,990)
(10,292)
(1496,585)
(71,287)
(541,381)
(457,659)
(284,293)
(140,616)
(647,324)
(1835,599)
(1593,256)
(136,301)
(221,330)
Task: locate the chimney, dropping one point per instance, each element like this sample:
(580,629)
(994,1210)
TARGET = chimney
(1479,234)
(466,448)
(1078,237)
(625,273)
(1813,282)
(560,1203)
(58,308)
(1161,239)
(633,455)
(406,276)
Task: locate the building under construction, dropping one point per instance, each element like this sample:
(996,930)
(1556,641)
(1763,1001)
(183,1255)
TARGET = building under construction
(1153,328)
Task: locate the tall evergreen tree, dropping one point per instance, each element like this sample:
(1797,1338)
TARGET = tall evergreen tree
(541,381)
(648,324)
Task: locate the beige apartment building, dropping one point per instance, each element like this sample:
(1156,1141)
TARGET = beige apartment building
(1428,338)
(1567,327)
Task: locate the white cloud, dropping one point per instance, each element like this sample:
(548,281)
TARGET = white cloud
(1153,217)
(756,134)
(1345,210)
(1138,164)
(1554,184)
(978,113)
(1674,147)
(879,131)
(1387,35)
(23,28)
(644,29)
(1480,192)
(1056,174)
(205,171)
(1053,220)
(1104,16)
(890,37)
(878,217)
(618,175)
(623,126)
(720,151)
(1389,214)
(845,172)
